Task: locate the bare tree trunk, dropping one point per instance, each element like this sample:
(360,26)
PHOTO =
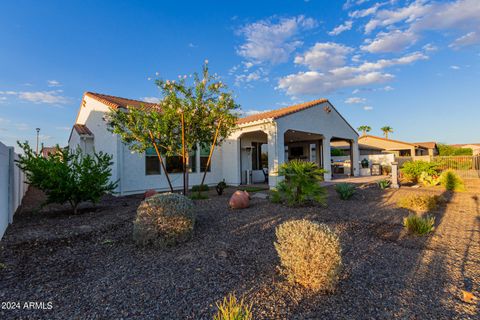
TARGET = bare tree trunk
(161,160)
(184,163)
(211,152)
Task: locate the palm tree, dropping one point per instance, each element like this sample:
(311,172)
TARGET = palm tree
(364,129)
(386,130)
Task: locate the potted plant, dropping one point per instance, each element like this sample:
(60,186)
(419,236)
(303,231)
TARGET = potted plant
(365,163)
(220,187)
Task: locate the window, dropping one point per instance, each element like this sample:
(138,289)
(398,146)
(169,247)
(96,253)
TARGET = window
(259,155)
(152,165)
(174,164)
(204,153)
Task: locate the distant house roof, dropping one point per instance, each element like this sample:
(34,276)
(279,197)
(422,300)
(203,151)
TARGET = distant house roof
(275,114)
(384,139)
(426,145)
(82,130)
(463,145)
(118,102)
(46,151)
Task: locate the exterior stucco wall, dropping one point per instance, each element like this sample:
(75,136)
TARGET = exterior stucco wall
(317,120)
(134,179)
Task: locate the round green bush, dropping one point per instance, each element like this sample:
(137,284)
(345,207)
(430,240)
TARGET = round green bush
(164,220)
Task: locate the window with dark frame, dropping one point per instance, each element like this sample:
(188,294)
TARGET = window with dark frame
(174,164)
(152,164)
(259,155)
(204,153)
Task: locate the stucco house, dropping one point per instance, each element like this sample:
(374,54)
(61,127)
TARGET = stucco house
(251,154)
(369,145)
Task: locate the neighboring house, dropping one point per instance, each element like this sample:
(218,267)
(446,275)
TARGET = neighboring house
(474,146)
(47,151)
(370,145)
(253,152)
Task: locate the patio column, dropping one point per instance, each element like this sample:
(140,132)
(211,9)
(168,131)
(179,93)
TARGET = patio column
(327,162)
(355,158)
(276,154)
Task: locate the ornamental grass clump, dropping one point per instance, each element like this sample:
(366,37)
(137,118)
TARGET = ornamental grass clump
(419,225)
(164,220)
(232,309)
(420,203)
(451,181)
(310,254)
(301,184)
(345,190)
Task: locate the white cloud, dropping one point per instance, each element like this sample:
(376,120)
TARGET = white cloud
(53,97)
(355,100)
(367,108)
(429,47)
(341,28)
(392,41)
(54,83)
(272,40)
(466,40)
(455,67)
(47,97)
(192,45)
(315,82)
(259,74)
(408,13)
(151,99)
(365,12)
(387,88)
(324,56)
(422,15)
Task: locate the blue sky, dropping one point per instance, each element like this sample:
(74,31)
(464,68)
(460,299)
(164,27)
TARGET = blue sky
(413,65)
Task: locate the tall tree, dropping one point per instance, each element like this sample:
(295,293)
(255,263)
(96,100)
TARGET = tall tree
(386,130)
(189,116)
(364,129)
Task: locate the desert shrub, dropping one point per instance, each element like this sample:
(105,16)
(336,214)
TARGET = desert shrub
(232,309)
(198,196)
(429,180)
(420,203)
(334,152)
(345,190)
(451,181)
(446,150)
(199,188)
(413,169)
(384,184)
(419,225)
(310,254)
(301,183)
(68,176)
(275,196)
(163,220)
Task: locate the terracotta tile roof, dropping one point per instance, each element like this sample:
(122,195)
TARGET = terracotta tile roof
(426,145)
(82,129)
(275,114)
(46,151)
(118,102)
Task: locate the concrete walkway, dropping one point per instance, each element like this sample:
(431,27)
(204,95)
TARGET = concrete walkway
(356,180)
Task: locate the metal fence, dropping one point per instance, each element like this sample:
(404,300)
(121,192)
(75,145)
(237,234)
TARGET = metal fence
(467,167)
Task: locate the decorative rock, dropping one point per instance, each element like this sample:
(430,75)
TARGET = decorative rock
(149,193)
(239,200)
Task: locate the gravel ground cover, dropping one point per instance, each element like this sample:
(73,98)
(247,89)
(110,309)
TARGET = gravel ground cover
(88,267)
